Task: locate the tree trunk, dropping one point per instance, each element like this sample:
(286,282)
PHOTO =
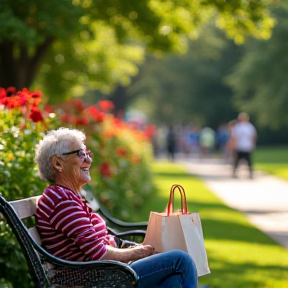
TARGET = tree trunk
(19,71)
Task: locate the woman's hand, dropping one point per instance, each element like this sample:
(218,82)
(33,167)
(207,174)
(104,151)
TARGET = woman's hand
(143,251)
(128,254)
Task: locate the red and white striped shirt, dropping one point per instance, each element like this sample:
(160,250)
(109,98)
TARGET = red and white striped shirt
(68,227)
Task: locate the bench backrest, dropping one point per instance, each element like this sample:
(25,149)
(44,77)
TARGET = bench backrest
(26,208)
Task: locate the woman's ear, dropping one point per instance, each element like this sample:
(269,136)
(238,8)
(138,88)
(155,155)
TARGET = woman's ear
(57,163)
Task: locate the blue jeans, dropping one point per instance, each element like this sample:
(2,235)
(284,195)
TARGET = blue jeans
(173,269)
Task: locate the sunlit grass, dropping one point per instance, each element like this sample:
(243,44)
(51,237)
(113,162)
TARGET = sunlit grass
(271,155)
(273,160)
(279,170)
(240,256)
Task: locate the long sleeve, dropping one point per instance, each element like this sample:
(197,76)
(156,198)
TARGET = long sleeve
(68,227)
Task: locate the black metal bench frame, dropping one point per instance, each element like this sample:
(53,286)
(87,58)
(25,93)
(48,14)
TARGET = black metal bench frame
(115,226)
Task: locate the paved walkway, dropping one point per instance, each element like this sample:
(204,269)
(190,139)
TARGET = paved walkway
(263,200)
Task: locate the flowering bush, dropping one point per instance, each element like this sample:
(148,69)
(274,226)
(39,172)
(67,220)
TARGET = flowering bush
(21,127)
(120,170)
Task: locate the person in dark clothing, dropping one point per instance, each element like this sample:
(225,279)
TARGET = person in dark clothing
(171,141)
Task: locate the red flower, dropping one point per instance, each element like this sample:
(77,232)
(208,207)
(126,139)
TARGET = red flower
(36,97)
(82,121)
(78,104)
(118,123)
(33,98)
(93,110)
(132,126)
(149,131)
(106,105)
(14,101)
(48,108)
(28,101)
(65,119)
(11,91)
(101,117)
(36,115)
(122,152)
(96,114)
(105,169)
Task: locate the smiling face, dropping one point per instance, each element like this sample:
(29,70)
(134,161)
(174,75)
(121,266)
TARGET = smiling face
(72,169)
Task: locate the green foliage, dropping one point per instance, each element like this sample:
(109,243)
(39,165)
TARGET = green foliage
(271,155)
(28,29)
(17,155)
(29,23)
(72,65)
(128,181)
(189,88)
(260,76)
(242,18)
(18,171)
(272,160)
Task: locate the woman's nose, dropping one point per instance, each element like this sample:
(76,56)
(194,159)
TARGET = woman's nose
(88,159)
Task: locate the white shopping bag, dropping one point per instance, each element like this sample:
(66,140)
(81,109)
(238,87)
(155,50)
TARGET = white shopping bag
(181,230)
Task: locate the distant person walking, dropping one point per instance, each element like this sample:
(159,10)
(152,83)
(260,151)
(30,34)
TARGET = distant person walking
(222,138)
(244,137)
(230,145)
(207,141)
(171,142)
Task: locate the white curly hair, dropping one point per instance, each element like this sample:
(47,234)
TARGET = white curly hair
(55,142)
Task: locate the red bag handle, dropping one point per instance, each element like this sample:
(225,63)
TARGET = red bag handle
(183,199)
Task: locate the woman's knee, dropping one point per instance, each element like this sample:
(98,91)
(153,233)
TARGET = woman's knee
(186,266)
(180,254)
(183,259)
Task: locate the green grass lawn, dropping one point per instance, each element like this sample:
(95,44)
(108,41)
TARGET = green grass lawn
(240,256)
(273,160)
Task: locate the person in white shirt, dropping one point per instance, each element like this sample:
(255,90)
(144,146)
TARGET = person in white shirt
(244,136)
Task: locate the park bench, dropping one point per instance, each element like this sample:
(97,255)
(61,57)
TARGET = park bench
(49,271)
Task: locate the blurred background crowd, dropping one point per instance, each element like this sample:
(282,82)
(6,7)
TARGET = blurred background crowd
(194,141)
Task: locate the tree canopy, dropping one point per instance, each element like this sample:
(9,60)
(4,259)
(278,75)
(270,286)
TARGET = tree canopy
(259,81)
(189,88)
(216,79)
(73,46)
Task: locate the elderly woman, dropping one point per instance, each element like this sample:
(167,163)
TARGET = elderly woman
(70,230)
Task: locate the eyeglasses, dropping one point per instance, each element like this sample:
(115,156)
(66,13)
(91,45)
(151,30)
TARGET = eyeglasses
(83,154)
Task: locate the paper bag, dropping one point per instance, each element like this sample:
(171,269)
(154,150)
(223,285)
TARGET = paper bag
(178,230)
